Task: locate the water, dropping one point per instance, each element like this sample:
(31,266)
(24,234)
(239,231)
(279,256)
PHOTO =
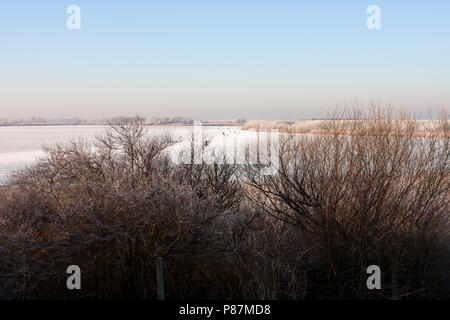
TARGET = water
(21,146)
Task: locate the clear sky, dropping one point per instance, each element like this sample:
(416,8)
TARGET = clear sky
(220,59)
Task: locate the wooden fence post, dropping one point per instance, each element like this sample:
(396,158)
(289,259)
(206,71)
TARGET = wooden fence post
(160,277)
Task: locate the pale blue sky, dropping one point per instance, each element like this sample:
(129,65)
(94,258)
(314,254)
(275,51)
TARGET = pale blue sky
(220,59)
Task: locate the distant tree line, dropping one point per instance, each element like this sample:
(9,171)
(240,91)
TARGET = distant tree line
(37,121)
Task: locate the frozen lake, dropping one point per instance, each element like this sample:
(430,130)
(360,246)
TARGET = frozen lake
(21,146)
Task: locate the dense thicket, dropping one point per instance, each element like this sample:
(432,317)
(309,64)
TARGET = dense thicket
(367,192)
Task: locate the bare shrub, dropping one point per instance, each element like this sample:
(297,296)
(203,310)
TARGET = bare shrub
(376,196)
(111,210)
(367,192)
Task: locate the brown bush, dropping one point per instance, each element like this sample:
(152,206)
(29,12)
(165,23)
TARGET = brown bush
(376,196)
(337,204)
